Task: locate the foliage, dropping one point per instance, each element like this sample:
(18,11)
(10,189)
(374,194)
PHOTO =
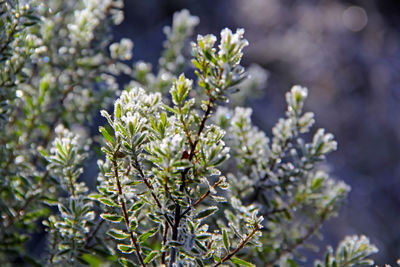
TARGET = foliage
(184,179)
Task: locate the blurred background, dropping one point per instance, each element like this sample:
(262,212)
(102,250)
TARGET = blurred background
(348,54)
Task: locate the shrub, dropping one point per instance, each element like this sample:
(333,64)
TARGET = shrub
(184,178)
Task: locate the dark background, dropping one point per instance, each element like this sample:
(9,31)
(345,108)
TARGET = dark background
(348,54)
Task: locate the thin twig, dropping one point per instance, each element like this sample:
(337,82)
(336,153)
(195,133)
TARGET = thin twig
(201,198)
(125,213)
(299,242)
(150,188)
(28,200)
(10,34)
(164,242)
(230,255)
(93,234)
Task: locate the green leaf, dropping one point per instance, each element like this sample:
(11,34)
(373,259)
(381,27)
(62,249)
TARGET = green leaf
(137,206)
(196,64)
(132,129)
(126,249)
(107,202)
(106,135)
(150,257)
(118,111)
(117,234)
(146,235)
(168,108)
(226,240)
(242,262)
(175,97)
(292,263)
(218,198)
(201,246)
(217,161)
(327,259)
(199,262)
(154,218)
(139,139)
(205,213)
(31,261)
(182,164)
(111,217)
(173,243)
(133,224)
(43,152)
(132,183)
(126,262)
(95,196)
(29,101)
(92,260)
(217,258)
(203,236)
(317,184)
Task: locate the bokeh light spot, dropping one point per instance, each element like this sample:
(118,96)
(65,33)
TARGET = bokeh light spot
(355,18)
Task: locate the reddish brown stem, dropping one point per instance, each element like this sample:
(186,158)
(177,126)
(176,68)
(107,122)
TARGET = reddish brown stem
(125,213)
(230,255)
(201,198)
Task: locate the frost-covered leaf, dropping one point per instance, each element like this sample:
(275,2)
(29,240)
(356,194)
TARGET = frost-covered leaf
(117,234)
(126,249)
(242,262)
(111,217)
(149,258)
(143,237)
(206,212)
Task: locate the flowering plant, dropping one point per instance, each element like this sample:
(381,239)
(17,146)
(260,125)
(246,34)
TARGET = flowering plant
(185,178)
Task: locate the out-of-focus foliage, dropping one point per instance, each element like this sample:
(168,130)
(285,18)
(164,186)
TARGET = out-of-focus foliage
(349,251)
(185,178)
(54,69)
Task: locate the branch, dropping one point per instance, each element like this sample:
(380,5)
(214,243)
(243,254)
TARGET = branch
(93,234)
(177,220)
(28,200)
(299,242)
(123,207)
(201,198)
(201,127)
(230,255)
(150,188)
(10,34)
(185,126)
(164,253)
